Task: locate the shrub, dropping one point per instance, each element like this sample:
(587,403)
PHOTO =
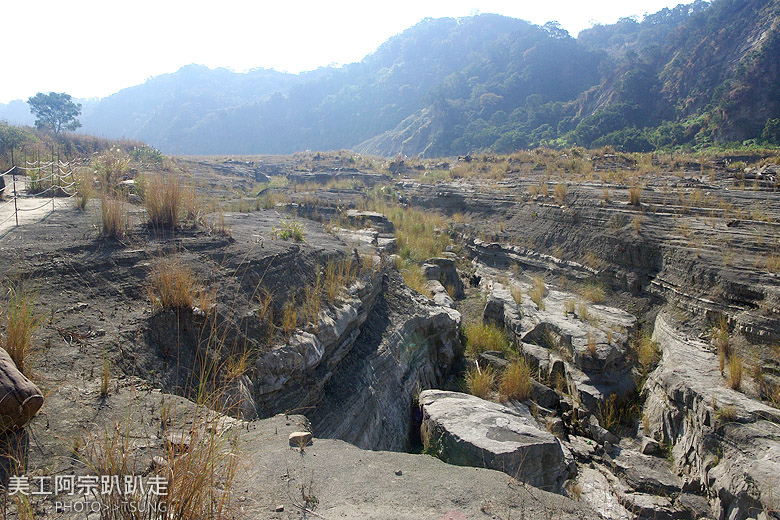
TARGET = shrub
(480,382)
(290,230)
(172,285)
(163,201)
(516,381)
(21,323)
(485,336)
(114,217)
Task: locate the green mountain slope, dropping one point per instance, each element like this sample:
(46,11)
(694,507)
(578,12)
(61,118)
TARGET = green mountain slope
(693,75)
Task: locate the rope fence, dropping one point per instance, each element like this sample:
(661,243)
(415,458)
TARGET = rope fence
(59,182)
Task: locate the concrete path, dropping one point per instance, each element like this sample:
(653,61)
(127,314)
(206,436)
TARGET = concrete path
(31,208)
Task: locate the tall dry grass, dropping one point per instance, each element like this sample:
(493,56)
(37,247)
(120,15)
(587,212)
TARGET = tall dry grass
(163,201)
(21,321)
(173,285)
(516,381)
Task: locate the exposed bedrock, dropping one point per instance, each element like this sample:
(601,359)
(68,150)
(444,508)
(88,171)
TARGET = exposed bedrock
(726,444)
(356,376)
(591,353)
(676,254)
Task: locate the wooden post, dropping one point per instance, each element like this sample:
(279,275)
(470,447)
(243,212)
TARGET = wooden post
(16,206)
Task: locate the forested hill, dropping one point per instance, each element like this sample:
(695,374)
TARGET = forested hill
(693,75)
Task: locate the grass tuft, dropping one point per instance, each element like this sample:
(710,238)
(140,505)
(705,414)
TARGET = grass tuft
(163,201)
(485,336)
(735,372)
(172,285)
(480,382)
(21,323)
(538,292)
(516,381)
(114,217)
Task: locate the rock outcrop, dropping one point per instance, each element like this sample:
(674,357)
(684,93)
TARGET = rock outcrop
(726,444)
(357,373)
(466,430)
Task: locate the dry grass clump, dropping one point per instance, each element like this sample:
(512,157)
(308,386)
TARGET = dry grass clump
(773,263)
(289,318)
(592,347)
(638,223)
(568,307)
(594,292)
(84,190)
(21,322)
(517,293)
(313,299)
(735,372)
(582,312)
(114,217)
(485,336)
(105,376)
(172,285)
(338,273)
(560,192)
(720,339)
(192,206)
(199,477)
(538,292)
(420,235)
(414,279)
(516,381)
(647,351)
(635,195)
(480,382)
(163,201)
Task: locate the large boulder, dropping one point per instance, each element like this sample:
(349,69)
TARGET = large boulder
(20,399)
(466,430)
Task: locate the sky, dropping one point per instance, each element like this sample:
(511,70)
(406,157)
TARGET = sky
(95,48)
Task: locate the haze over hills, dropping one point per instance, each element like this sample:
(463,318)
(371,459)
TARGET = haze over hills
(696,74)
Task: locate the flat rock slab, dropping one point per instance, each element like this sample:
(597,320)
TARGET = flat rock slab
(646,473)
(465,430)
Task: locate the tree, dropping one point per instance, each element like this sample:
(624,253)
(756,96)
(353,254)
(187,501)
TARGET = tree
(10,138)
(771,133)
(55,111)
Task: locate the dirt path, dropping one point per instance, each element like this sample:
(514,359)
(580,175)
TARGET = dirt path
(31,209)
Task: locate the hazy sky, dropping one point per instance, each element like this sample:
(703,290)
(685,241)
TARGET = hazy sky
(95,48)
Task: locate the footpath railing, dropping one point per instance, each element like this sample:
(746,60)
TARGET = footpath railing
(55,179)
